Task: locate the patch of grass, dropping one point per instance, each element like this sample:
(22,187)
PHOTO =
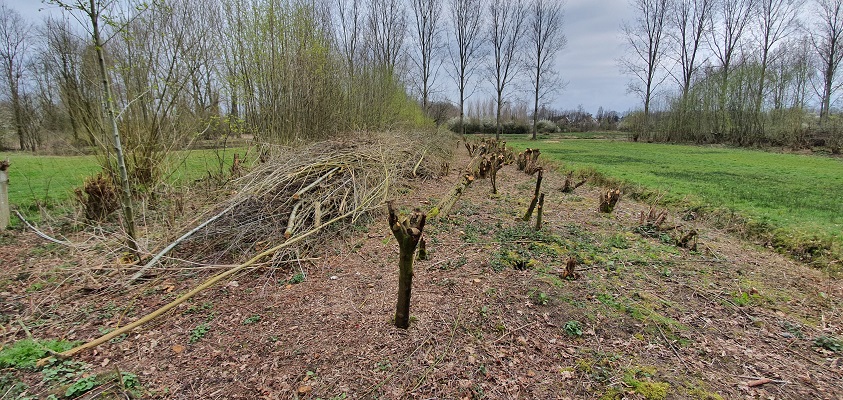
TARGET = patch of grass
(48,181)
(252,320)
(767,191)
(64,372)
(81,386)
(744,299)
(24,353)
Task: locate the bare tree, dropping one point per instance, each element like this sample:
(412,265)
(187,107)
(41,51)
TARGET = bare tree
(468,22)
(645,37)
(14,44)
(93,11)
(348,12)
(691,21)
(776,20)
(545,38)
(428,14)
(827,40)
(505,33)
(387,22)
(735,15)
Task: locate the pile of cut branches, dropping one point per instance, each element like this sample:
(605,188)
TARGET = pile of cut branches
(298,190)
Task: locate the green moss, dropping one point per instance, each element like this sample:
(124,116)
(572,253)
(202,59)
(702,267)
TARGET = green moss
(640,379)
(700,394)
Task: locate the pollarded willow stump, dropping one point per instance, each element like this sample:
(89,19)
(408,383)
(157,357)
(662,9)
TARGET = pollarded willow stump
(534,201)
(570,186)
(408,231)
(608,200)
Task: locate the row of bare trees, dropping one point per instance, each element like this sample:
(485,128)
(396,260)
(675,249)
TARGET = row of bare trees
(283,70)
(745,71)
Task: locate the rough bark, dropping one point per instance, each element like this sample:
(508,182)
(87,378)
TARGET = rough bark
(539,210)
(408,231)
(4,194)
(535,199)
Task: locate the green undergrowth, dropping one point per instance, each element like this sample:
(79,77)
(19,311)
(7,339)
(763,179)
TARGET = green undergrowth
(782,200)
(60,379)
(24,354)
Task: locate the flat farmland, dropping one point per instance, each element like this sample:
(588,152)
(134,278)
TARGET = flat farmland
(794,195)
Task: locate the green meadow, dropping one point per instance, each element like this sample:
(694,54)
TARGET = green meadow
(799,193)
(50,180)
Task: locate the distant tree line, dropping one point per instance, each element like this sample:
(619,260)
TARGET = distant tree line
(744,72)
(518,119)
(281,70)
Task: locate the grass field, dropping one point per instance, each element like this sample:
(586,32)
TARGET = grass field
(799,193)
(50,180)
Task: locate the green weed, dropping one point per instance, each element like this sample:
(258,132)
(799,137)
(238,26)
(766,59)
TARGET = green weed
(198,333)
(829,343)
(573,328)
(81,386)
(24,353)
(252,320)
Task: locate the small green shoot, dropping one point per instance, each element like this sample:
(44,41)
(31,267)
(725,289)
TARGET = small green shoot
(573,328)
(198,333)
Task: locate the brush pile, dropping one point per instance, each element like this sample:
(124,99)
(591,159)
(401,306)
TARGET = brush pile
(302,191)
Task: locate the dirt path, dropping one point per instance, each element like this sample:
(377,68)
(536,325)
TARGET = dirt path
(646,319)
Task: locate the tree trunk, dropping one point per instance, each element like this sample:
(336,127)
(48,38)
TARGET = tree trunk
(539,212)
(126,194)
(408,232)
(535,199)
(4,194)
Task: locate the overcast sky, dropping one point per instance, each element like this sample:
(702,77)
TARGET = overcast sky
(588,63)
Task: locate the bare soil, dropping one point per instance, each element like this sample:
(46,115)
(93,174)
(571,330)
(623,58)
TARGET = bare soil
(645,319)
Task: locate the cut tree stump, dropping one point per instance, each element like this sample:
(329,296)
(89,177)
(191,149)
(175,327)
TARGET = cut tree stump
(535,199)
(539,212)
(688,240)
(570,186)
(408,231)
(608,200)
(422,256)
(447,203)
(570,269)
(4,194)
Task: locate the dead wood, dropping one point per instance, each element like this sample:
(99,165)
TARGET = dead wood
(422,249)
(569,185)
(448,202)
(688,240)
(570,269)
(172,245)
(408,231)
(535,198)
(608,200)
(41,234)
(208,283)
